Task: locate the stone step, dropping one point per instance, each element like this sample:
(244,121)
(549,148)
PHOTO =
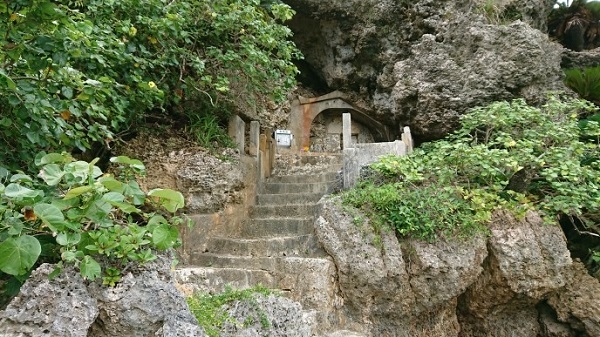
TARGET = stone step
(300,246)
(325,177)
(214,280)
(281,226)
(270,264)
(291,210)
(283,188)
(311,281)
(290,198)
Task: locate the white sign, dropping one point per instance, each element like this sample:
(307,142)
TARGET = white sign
(283,138)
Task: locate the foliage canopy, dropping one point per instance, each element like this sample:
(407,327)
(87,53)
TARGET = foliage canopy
(78,73)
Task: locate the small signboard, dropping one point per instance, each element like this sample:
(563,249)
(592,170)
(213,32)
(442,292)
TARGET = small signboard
(283,138)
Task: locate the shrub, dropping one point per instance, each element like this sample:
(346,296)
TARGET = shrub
(74,213)
(506,155)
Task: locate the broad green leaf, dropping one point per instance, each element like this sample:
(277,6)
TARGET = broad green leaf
(164,236)
(171,200)
(157,220)
(4,79)
(77,191)
(17,191)
(4,173)
(112,184)
(66,239)
(52,158)
(134,163)
(50,216)
(113,197)
(19,177)
(51,174)
(18,255)
(89,268)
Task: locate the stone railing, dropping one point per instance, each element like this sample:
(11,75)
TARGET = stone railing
(260,146)
(359,155)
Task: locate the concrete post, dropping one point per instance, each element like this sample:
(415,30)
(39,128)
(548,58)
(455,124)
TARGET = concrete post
(407,139)
(254,138)
(237,131)
(346,130)
(263,155)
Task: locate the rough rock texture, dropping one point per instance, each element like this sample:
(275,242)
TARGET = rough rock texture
(519,281)
(582,59)
(526,262)
(208,181)
(423,63)
(271,316)
(46,308)
(147,304)
(388,287)
(579,303)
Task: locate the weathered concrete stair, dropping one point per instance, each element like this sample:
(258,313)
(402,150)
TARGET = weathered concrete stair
(276,247)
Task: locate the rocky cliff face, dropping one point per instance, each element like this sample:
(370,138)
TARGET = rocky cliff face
(519,281)
(424,63)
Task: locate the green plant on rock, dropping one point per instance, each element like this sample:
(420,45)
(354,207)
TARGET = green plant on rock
(210,312)
(74,213)
(507,155)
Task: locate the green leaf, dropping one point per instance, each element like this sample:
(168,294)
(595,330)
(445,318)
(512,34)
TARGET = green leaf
(171,200)
(18,255)
(51,174)
(66,239)
(164,236)
(89,268)
(52,158)
(134,163)
(50,216)
(77,191)
(16,191)
(112,184)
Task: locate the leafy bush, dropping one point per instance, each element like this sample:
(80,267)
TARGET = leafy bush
(585,82)
(74,213)
(77,73)
(506,155)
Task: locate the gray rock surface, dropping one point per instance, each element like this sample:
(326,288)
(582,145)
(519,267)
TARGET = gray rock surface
(424,63)
(271,316)
(527,261)
(519,281)
(147,304)
(408,288)
(48,308)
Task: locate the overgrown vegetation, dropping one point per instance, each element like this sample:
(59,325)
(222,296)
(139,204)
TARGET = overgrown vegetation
(79,74)
(210,310)
(73,213)
(507,155)
(76,76)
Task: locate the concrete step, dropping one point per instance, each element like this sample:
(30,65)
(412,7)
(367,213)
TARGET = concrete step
(269,264)
(192,279)
(291,210)
(325,177)
(300,246)
(311,281)
(290,198)
(283,188)
(278,226)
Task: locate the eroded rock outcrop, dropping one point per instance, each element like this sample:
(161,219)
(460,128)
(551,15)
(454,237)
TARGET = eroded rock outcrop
(424,63)
(144,304)
(518,281)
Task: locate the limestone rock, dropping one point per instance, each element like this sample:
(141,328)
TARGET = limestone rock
(403,289)
(146,304)
(46,308)
(271,316)
(424,63)
(208,181)
(527,261)
(578,304)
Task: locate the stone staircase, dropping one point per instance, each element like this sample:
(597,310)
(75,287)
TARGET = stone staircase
(276,246)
